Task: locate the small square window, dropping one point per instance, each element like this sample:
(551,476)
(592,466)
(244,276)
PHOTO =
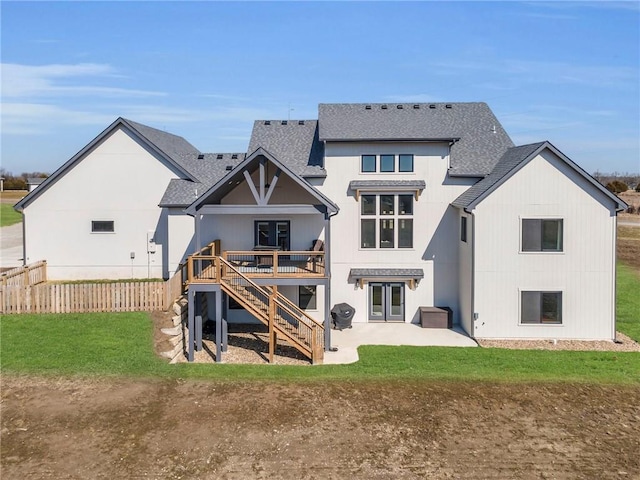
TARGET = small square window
(406,163)
(307,297)
(387,204)
(102,226)
(387,163)
(368,163)
(405,204)
(368,205)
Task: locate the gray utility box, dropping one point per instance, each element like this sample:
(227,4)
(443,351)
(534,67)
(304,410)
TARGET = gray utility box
(436,317)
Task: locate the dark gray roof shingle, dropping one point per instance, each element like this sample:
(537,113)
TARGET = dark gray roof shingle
(294,142)
(356,273)
(174,146)
(361,184)
(480,139)
(510,160)
(209,169)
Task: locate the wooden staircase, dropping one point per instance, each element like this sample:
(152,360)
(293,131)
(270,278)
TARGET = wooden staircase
(284,318)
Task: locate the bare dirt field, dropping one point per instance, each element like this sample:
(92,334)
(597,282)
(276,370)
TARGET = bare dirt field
(71,428)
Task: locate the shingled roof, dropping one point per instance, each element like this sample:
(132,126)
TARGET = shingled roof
(293,142)
(478,139)
(514,159)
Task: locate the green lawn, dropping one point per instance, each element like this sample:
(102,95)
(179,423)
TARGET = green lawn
(121,344)
(628,301)
(8,216)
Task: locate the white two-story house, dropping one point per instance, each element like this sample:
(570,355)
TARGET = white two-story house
(386,207)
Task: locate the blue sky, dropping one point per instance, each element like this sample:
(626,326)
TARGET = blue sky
(559,71)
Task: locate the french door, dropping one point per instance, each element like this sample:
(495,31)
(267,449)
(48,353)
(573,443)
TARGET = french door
(386,302)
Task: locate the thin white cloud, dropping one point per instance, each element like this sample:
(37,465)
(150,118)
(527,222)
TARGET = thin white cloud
(29,81)
(546,72)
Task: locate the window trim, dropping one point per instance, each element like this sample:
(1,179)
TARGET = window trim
(542,250)
(377,163)
(94,223)
(314,298)
(379,218)
(540,323)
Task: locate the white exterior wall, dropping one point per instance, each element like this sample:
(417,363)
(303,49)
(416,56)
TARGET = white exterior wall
(465,252)
(119,180)
(583,272)
(181,238)
(435,224)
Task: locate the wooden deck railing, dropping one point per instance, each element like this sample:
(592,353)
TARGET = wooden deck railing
(31,274)
(274,310)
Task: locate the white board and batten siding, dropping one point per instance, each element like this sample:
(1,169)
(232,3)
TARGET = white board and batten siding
(120,181)
(435,223)
(545,187)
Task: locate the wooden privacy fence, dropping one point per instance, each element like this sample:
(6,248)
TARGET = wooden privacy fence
(31,295)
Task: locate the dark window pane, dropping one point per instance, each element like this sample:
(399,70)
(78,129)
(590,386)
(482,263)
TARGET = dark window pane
(368,233)
(386,233)
(552,235)
(406,163)
(405,204)
(463,229)
(387,163)
(551,307)
(307,297)
(368,163)
(530,307)
(387,204)
(541,307)
(102,226)
(531,238)
(405,233)
(368,204)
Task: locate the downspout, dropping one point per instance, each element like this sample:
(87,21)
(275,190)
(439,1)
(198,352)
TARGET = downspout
(615,276)
(473,274)
(327,271)
(24,239)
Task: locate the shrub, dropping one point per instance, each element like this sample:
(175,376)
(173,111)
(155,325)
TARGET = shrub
(617,186)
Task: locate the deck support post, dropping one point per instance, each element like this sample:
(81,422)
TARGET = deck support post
(327,285)
(219,327)
(272,315)
(190,325)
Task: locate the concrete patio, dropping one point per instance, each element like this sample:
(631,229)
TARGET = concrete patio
(347,341)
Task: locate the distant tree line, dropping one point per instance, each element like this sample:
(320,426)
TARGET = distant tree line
(19,182)
(618,182)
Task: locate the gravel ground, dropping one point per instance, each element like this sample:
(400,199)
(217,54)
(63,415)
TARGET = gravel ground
(622,344)
(248,344)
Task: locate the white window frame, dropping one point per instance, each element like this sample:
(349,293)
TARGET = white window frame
(396,217)
(102,232)
(563,222)
(541,291)
(396,163)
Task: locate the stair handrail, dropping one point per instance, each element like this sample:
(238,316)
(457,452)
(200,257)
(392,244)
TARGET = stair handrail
(314,329)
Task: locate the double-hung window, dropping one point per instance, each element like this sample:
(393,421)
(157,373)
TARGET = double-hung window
(542,235)
(386,221)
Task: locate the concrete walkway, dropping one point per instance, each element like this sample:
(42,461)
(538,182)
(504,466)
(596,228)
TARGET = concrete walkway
(11,246)
(347,341)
